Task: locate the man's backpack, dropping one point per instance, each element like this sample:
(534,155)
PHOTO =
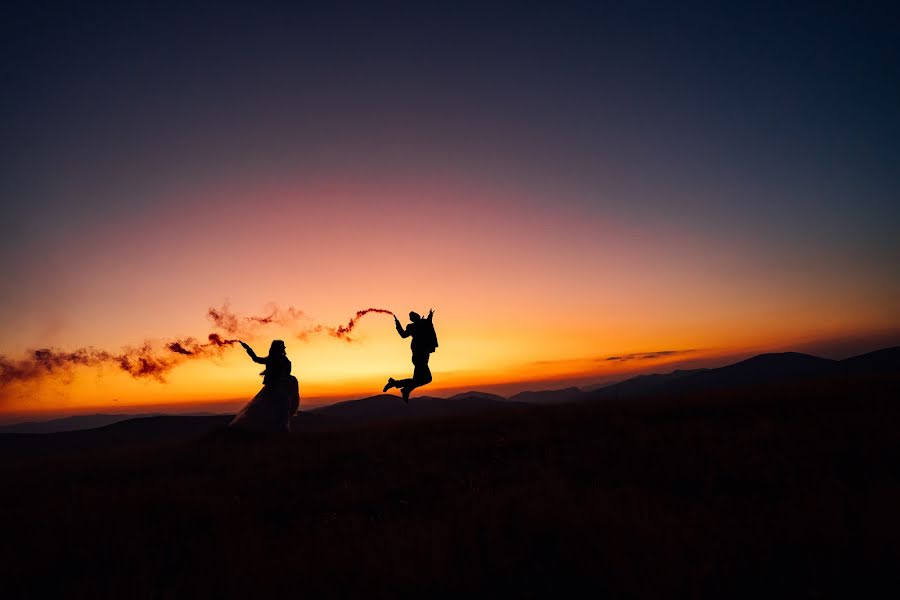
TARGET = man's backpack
(429,337)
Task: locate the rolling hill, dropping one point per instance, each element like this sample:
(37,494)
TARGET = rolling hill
(765,370)
(761,370)
(385,407)
(714,494)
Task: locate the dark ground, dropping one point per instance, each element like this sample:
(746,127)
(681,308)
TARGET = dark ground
(777,491)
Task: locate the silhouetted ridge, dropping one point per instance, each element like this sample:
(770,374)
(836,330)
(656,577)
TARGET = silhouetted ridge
(761,369)
(548,396)
(380,404)
(475,394)
(74,423)
(879,362)
(643,384)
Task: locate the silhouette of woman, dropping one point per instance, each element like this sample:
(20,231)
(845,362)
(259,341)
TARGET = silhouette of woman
(272,408)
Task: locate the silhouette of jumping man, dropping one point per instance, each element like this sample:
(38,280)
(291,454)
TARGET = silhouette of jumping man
(272,408)
(424,342)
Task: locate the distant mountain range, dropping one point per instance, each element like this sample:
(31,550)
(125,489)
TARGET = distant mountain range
(82,422)
(761,370)
(548,396)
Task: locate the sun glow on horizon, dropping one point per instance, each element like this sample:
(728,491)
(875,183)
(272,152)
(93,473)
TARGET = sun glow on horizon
(331,369)
(521,298)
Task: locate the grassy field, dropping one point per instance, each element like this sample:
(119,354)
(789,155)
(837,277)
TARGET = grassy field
(788,492)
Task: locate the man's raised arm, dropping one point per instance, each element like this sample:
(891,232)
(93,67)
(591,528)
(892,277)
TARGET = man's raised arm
(404,333)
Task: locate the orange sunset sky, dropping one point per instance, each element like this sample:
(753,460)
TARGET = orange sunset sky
(558,199)
(522,298)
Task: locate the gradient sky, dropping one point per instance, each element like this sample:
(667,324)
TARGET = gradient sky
(562,185)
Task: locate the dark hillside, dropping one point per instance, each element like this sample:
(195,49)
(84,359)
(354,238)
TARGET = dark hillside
(388,407)
(711,495)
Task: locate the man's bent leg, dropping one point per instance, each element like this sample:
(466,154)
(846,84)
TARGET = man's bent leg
(400,383)
(422,374)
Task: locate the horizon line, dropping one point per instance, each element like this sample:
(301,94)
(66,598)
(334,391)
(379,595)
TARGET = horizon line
(313,402)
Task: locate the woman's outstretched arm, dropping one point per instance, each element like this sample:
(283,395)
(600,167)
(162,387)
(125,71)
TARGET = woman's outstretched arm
(252,354)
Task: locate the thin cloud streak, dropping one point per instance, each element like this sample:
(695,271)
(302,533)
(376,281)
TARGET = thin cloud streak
(648,355)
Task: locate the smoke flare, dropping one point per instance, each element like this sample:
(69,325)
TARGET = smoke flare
(142,362)
(46,362)
(153,362)
(187,346)
(216,340)
(223,318)
(343,331)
